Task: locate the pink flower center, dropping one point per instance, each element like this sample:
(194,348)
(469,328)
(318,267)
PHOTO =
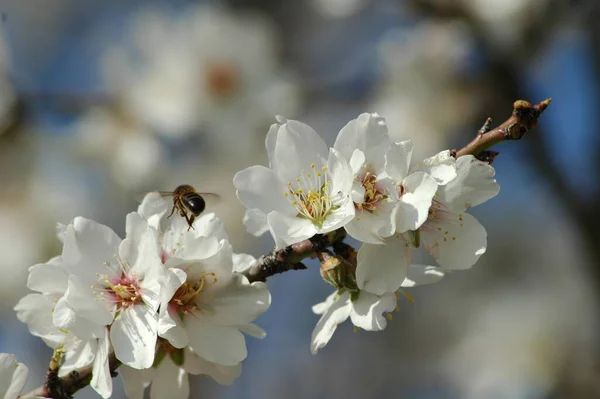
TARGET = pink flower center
(374,193)
(187,298)
(124,290)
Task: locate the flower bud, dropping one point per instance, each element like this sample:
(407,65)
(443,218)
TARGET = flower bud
(337,271)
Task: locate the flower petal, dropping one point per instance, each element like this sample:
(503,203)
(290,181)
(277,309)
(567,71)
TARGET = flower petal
(296,148)
(422,274)
(473,185)
(13,376)
(442,167)
(170,382)
(397,160)
(367,310)
(78,354)
(259,187)
(101,378)
(154,208)
(48,278)
(458,243)
(217,344)
(413,208)
(367,133)
(255,221)
(382,268)
(224,375)
(135,381)
(287,230)
(337,313)
(133,335)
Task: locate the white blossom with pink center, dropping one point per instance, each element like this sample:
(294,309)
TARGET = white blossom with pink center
(112,282)
(209,305)
(453,237)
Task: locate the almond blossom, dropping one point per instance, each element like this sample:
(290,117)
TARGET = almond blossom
(208,306)
(365,309)
(453,237)
(13,376)
(305,191)
(112,282)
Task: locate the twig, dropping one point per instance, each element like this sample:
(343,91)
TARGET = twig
(524,117)
(290,258)
(65,387)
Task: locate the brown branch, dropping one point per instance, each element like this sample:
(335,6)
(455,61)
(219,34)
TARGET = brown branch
(290,258)
(524,117)
(65,387)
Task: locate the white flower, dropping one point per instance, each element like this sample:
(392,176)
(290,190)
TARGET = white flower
(366,310)
(36,311)
(205,68)
(382,269)
(364,143)
(113,283)
(169,379)
(13,376)
(209,306)
(306,190)
(453,237)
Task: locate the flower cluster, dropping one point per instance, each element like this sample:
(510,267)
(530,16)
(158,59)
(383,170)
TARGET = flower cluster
(366,185)
(164,301)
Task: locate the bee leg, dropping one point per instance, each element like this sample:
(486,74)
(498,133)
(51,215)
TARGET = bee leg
(172,210)
(191,222)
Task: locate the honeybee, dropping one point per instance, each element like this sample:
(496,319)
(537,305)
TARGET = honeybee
(188,202)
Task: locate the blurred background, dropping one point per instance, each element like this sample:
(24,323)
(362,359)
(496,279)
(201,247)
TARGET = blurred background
(100,101)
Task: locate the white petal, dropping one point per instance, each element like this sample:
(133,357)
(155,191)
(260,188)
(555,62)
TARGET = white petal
(413,208)
(341,175)
(253,330)
(13,376)
(270,141)
(48,278)
(288,230)
(367,133)
(87,246)
(442,167)
(237,303)
(255,221)
(297,147)
(209,225)
(78,354)
(135,381)
(35,310)
(367,310)
(259,187)
(81,299)
(382,268)
(172,328)
(373,227)
(154,208)
(66,318)
(243,262)
(224,375)
(422,274)
(397,160)
(336,314)
(473,185)
(170,382)
(133,335)
(458,243)
(356,161)
(223,345)
(322,307)
(101,378)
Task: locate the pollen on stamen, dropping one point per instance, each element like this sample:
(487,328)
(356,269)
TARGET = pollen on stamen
(389,316)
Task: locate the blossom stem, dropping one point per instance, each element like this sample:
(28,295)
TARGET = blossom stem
(524,117)
(64,387)
(290,258)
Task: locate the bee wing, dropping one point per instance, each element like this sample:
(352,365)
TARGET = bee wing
(139,196)
(211,199)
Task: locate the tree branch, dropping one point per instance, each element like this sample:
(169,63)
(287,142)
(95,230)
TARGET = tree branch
(524,117)
(65,387)
(290,258)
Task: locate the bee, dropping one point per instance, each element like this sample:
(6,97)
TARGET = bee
(188,202)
